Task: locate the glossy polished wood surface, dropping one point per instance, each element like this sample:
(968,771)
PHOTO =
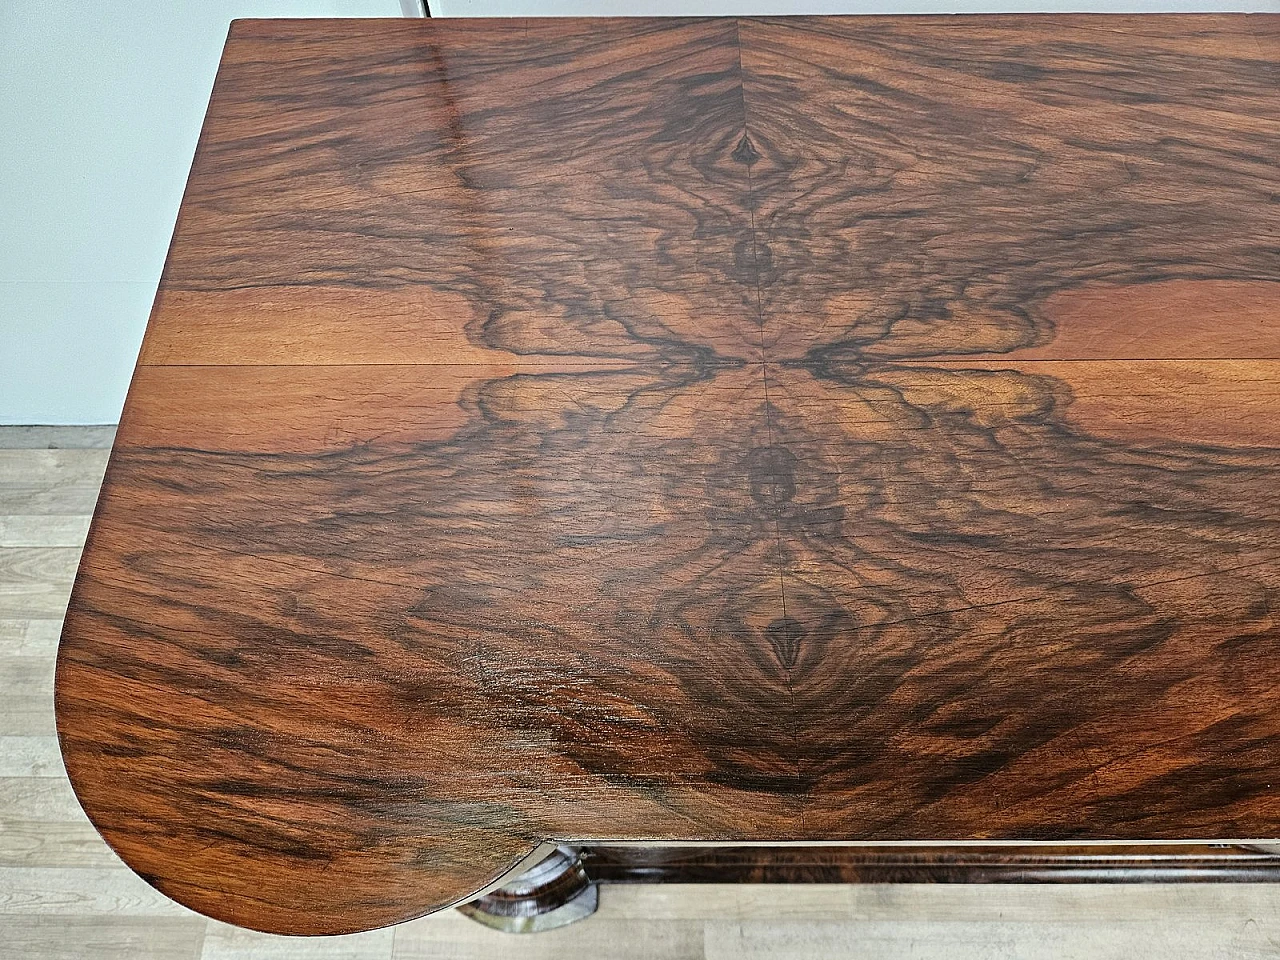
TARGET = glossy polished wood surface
(785,429)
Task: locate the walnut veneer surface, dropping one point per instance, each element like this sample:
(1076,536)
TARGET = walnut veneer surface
(816,429)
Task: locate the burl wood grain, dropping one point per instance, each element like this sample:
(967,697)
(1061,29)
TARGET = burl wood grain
(746,430)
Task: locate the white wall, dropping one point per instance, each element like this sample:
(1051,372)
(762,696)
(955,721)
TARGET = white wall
(100,107)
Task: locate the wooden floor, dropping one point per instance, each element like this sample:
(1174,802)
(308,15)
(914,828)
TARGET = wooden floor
(64,894)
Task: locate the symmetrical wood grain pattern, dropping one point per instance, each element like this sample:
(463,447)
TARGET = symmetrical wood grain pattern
(64,895)
(805,429)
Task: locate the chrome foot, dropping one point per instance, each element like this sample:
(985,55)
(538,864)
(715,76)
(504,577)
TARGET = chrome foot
(554,893)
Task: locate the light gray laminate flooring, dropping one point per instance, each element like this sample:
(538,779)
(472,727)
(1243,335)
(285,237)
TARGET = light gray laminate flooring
(64,894)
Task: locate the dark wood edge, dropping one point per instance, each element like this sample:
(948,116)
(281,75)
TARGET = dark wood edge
(1006,864)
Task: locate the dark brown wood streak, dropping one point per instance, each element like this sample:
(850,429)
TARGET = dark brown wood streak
(1180,863)
(785,429)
